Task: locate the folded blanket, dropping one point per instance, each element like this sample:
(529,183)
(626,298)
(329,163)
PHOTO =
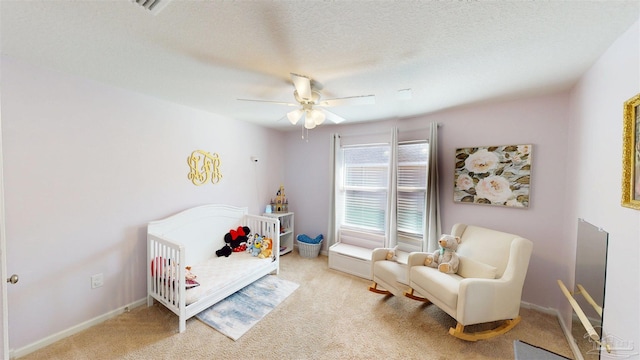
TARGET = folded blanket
(307,240)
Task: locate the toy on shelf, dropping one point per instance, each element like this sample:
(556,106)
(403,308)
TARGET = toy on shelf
(280,203)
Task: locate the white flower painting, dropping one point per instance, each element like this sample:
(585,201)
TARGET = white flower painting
(495,175)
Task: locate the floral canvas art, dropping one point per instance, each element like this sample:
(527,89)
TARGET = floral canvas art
(495,175)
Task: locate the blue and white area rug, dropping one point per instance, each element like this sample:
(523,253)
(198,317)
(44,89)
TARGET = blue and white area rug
(236,314)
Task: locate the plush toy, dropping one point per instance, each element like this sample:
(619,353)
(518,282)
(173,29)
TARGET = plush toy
(266,248)
(224,251)
(249,248)
(391,254)
(241,248)
(190,279)
(188,274)
(235,238)
(445,259)
(257,245)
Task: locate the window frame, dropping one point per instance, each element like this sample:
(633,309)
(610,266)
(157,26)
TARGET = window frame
(406,239)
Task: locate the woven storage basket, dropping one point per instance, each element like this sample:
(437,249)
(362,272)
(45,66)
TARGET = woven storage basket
(308,250)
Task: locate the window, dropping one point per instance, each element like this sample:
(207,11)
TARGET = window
(365,191)
(411,190)
(365,186)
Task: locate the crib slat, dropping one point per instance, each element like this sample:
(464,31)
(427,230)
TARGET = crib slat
(163,274)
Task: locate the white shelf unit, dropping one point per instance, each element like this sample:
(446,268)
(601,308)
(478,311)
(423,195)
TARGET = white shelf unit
(286,230)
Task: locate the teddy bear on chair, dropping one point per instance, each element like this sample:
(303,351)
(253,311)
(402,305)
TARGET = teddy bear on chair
(445,259)
(392,254)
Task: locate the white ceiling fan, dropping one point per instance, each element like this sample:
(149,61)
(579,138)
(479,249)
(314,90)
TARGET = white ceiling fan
(311,107)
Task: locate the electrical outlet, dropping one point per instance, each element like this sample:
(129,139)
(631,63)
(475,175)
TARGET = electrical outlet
(97,280)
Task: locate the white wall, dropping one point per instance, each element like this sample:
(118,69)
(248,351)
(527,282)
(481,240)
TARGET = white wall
(595,177)
(86,166)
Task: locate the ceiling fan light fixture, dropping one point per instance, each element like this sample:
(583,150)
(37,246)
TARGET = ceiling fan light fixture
(309,106)
(294,116)
(318,116)
(309,123)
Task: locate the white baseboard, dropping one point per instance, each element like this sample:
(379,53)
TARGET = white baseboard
(73,330)
(546,310)
(565,329)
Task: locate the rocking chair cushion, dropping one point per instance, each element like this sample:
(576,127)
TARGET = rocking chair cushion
(391,271)
(443,286)
(470,268)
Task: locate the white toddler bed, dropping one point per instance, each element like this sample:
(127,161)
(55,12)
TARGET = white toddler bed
(191,238)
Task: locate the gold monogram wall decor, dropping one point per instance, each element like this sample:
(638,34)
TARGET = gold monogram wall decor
(631,153)
(204,167)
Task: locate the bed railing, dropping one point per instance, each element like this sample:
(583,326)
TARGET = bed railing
(163,272)
(267,227)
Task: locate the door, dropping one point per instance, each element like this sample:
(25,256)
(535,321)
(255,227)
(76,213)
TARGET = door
(4,318)
(4,314)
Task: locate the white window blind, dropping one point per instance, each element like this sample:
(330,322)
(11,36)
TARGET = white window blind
(365,191)
(365,186)
(412,185)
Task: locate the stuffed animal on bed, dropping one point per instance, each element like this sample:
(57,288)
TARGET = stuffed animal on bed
(188,274)
(235,238)
(445,259)
(266,251)
(224,251)
(257,245)
(250,243)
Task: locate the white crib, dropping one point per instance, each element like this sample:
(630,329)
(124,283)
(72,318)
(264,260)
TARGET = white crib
(190,238)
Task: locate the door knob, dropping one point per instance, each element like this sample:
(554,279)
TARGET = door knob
(13,279)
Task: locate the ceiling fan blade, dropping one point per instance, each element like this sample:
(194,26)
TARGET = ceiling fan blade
(351,100)
(302,85)
(335,118)
(270,102)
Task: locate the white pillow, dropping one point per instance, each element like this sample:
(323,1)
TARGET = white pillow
(470,268)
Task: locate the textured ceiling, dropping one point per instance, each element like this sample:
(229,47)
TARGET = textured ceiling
(207,54)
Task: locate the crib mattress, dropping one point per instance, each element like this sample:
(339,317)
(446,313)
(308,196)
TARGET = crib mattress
(218,272)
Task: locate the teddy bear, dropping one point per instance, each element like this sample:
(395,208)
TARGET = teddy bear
(445,259)
(266,248)
(391,254)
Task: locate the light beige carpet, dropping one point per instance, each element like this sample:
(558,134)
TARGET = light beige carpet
(331,315)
